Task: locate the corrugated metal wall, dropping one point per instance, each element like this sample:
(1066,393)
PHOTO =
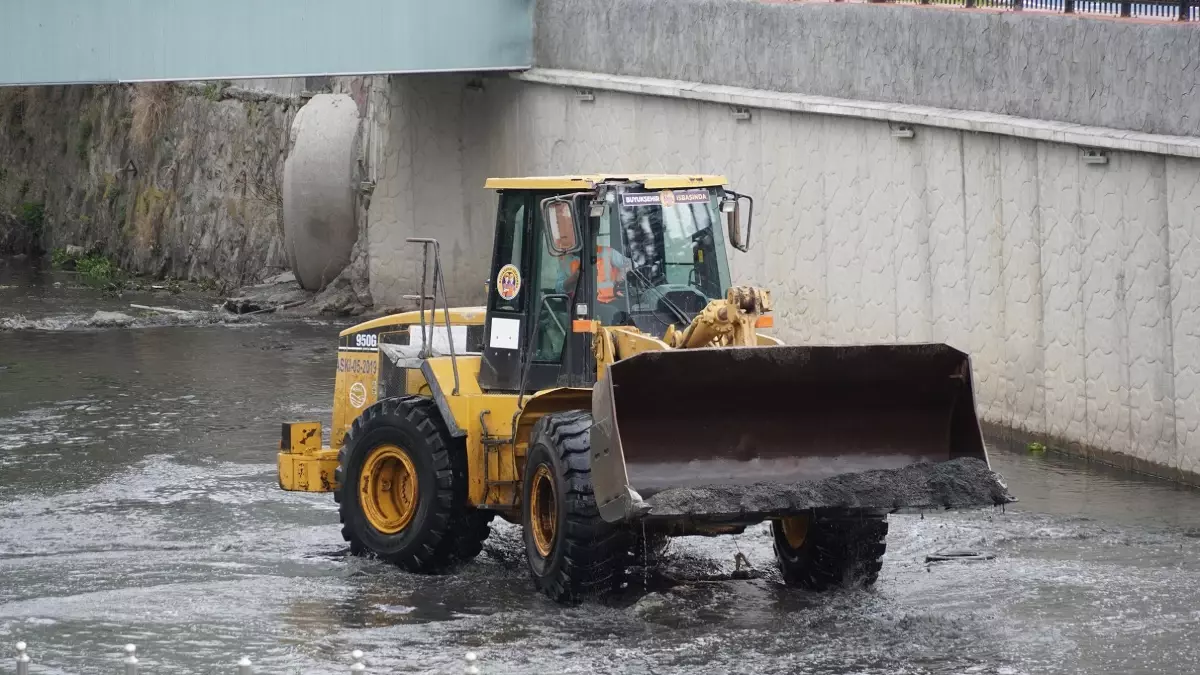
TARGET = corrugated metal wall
(67,41)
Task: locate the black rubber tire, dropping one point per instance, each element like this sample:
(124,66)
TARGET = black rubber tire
(838,551)
(444,530)
(588,556)
(468,530)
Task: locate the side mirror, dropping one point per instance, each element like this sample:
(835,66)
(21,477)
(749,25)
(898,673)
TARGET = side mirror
(562,228)
(731,206)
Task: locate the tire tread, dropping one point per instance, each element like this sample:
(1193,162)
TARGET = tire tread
(838,551)
(595,552)
(454,531)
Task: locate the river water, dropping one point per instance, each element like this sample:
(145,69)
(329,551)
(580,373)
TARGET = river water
(138,503)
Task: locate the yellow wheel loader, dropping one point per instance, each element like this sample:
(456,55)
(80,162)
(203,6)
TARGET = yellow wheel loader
(618,389)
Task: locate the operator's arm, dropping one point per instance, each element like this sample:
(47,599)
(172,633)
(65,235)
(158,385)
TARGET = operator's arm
(569,284)
(567,280)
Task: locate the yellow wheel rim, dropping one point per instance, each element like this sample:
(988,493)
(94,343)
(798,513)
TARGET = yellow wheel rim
(543,510)
(387,489)
(795,530)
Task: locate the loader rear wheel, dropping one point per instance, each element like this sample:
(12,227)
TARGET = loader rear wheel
(402,494)
(822,552)
(572,552)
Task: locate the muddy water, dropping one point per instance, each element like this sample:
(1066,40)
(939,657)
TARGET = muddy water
(138,503)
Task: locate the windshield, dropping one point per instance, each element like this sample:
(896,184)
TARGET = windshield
(668,260)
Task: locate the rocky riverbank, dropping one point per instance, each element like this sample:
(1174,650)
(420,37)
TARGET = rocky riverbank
(167,180)
(162,182)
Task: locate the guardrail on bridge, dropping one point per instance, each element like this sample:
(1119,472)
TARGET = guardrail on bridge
(1171,10)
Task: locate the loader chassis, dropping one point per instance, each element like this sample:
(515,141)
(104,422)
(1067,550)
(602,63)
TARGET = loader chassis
(584,387)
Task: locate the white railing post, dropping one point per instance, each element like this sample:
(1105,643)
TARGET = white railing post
(471,669)
(244,667)
(358,666)
(22,660)
(131,661)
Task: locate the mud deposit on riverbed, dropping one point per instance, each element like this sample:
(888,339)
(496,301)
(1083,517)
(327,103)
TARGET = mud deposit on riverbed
(138,503)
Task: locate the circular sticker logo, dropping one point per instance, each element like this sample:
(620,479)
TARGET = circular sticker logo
(508,282)
(358,394)
(668,198)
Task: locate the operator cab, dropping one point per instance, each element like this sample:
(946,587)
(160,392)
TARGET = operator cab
(647,252)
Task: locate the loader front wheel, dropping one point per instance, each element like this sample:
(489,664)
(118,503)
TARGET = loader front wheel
(822,552)
(572,552)
(401,494)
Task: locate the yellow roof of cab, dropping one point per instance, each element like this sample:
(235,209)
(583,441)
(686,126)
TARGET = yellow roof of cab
(652,181)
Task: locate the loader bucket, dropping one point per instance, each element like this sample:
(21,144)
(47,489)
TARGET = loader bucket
(741,416)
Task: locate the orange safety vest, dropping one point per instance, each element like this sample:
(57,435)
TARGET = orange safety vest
(606,274)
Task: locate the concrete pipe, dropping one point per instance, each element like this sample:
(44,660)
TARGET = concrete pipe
(318,189)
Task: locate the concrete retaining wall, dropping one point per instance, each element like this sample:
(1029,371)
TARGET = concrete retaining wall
(1123,74)
(430,177)
(1070,284)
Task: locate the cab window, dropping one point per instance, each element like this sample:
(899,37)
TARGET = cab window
(510,246)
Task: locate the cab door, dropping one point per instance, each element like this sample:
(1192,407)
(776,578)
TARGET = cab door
(531,304)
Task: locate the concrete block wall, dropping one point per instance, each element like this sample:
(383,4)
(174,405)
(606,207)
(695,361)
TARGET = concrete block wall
(1071,285)
(1124,74)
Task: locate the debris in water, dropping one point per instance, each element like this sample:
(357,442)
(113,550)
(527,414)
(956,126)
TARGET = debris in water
(274,294)
(165,310)
(959,556)
(742,569)
(111,319)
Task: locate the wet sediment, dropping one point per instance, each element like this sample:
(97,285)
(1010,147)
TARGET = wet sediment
(956,484)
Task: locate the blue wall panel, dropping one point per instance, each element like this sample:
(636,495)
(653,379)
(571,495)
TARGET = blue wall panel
(63,41)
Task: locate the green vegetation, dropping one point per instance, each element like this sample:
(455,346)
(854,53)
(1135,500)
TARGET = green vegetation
(60,259)
(94,269)
(98,271)
(1036,447)
(32,217)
